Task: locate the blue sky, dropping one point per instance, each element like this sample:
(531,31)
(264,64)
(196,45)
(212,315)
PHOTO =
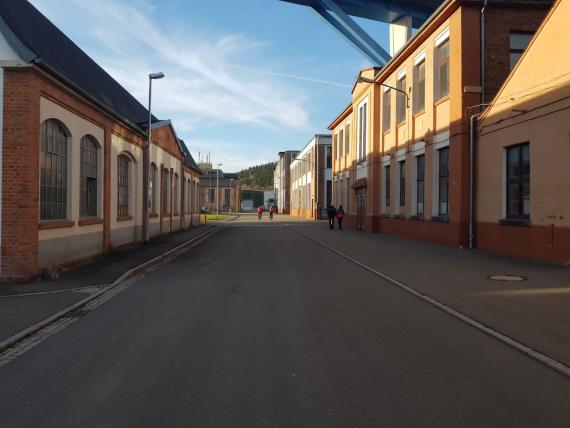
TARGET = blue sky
(245,79)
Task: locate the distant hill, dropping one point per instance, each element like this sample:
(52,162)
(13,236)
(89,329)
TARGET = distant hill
(258,177)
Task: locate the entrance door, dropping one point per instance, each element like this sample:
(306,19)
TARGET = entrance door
(360,209)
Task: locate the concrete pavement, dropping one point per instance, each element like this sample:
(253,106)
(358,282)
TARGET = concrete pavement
(263,327)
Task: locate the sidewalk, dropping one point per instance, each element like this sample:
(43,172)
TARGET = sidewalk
(535,312)
(22,305)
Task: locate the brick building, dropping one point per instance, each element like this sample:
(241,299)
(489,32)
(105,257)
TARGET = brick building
(73,154)
(401,148)
(282,180)
(311,178)
(228,188)
(522,172)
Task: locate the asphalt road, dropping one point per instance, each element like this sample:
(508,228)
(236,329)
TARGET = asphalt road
(261,327)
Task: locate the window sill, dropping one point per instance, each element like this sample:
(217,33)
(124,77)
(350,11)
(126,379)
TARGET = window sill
(441,100)
(521,222)
(417,217)
(153,215)
(440,218)
(124,217)
(387,131)
(418,114)
(89,221)
(55,224)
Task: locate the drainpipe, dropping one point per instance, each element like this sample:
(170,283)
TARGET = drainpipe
(317,178)
(482,50)
(472,136)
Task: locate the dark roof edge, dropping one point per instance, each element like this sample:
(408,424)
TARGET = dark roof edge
(15,43)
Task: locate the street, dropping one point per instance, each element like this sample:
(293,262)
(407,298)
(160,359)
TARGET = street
(259,326)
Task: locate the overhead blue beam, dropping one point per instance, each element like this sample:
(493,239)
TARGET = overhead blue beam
(351,31)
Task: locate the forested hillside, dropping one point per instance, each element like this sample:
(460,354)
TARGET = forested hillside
(258,177)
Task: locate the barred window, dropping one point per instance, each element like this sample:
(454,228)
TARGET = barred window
(518,181)
(88,177)
(123,186)
(152,188)
(387,185)
(420,184)
(54,138)
(401,101)
(443,181)
(402,183)
(165,186)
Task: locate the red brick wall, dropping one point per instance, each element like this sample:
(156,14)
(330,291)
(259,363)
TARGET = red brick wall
(498,24)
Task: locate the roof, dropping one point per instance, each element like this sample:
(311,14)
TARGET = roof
(188,159)
(36,40)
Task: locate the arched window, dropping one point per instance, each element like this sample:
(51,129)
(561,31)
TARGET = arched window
(165,186)
(54,138)
(123,186)
(189,197)
(176,196)
(88,177)
(153,188)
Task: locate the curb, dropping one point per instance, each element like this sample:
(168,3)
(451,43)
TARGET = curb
(173,252)
(545,360)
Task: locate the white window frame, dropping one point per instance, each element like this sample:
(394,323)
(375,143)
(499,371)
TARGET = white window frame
(363,139)
(418,149)
(441,141)
(385,162)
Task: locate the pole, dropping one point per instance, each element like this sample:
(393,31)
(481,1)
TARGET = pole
(217,193)
(147,163)
(231,197)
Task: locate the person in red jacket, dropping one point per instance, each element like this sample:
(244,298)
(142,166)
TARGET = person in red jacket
(339,216)
(259,212)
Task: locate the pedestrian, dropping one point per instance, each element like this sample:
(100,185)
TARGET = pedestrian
(259,212)
(331,214)
(271,211)
(339,216)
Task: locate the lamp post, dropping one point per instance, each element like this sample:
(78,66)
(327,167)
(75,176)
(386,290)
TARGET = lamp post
(217,190)
(231,181)
(151,77)
(361,79)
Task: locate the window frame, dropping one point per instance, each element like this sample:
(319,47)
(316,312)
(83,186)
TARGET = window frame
(88,177)
(401,100)
(386,110)
(362,131)
(519,180)
(420,184)
(442,62)
(420,86)
(165,191)
(517,51)
(402,182)
(443,176)
(387,193)
(123,185)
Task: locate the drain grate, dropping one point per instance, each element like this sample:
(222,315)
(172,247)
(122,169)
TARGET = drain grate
(510,278)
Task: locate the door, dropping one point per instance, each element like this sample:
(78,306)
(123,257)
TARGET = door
(360,209)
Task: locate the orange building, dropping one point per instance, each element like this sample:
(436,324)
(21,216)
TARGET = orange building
(522,204)
(401,148)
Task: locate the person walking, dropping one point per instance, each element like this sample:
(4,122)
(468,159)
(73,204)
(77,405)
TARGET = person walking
(331,214)
(339,216)
(271,211)
(259,212)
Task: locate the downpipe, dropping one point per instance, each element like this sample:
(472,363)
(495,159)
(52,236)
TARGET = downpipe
(472,137)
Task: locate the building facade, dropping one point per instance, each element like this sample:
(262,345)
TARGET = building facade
(401,149)
(228,194)
(522,173)
(282,180)
(311,178)
(73,154)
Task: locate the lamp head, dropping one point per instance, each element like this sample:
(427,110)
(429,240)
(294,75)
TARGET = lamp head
(154,76)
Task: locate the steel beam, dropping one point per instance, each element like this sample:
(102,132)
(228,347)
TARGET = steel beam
(351,31)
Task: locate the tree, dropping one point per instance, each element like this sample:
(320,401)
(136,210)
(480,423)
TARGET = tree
(258,177)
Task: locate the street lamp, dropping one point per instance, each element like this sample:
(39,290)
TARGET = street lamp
(361,79)
(217,190)
(231,181)
(151,77)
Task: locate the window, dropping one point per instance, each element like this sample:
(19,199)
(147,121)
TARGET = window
(123,186)
(401,101)
(420,87)
(53,170)
(175,193)
(402,183)
(335,145)
(227,198)
(387,181)
(362,131)
(443,157)
(212,196)
(518,181)
(443,69)
(152,188)
(347,140)
(328,151)
(340,142)
(386,110)
(88,178)
(518,41)
(165,187)
(420,177)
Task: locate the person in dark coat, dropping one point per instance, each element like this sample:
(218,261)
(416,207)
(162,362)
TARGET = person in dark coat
(331,214)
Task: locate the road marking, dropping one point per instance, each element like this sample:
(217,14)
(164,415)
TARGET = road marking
(536,355)
(29,338)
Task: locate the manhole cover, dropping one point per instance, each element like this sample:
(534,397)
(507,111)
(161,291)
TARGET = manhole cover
(506,277)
